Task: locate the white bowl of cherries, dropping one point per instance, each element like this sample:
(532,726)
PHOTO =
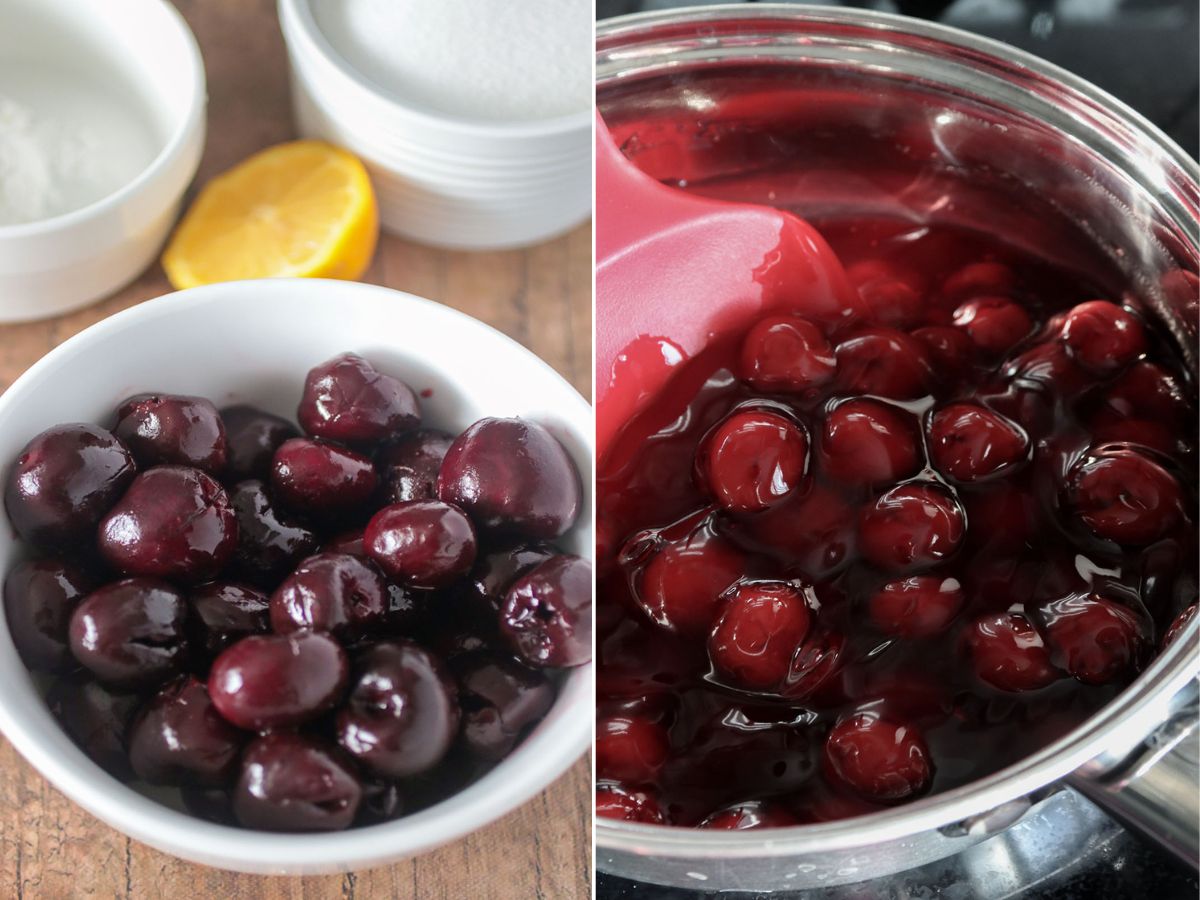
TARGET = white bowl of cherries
(297,576)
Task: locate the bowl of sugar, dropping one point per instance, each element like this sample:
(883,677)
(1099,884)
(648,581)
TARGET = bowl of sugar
(473,117)
(101,130)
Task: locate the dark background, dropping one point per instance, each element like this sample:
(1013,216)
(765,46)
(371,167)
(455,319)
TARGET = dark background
(1146,53)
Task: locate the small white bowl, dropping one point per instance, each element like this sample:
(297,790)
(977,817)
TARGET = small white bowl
(54,265)
(441,179)
(253,341)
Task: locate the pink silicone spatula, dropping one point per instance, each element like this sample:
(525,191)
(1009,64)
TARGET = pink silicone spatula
(675,272)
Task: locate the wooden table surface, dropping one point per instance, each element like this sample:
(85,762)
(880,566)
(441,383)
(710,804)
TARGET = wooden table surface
(49,848)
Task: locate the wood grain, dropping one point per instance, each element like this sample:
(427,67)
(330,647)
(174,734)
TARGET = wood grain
(49,848)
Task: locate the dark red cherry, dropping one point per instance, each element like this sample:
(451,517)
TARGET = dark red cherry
(762,623)
(252,437)
(1008,653)
(880,759)
(884,363)
(547,615)
(512,476)
(916,607)
(63,483)
(630,748)
(500,699)
(173,522)
(39,597)
(1124,496)
(401,715)
(179,738)
(1178,626)
(995,324)
(815,533)
(421,543)
(911,526)
(981,279)
(865,442)
(171,429)
(753,460)
(814,665)
(893,296)
(96,718)
(270,541)
(628,805)
(1146,391)
(333,592)
(382,801)
(681,585)
(498,566)
(278,680)
(409,465)
(222,613)
(787,354)
(289,782)
(1102,337)
(130,634)
(321,479)
(754,814)
(347,542)
(971,443)
(347,400)
(951,352)
(1097,640)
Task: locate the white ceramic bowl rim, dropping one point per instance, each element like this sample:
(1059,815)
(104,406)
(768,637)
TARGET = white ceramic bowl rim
(175,144)
(314,42)
(537,761)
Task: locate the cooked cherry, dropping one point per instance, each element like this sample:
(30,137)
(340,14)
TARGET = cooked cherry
(130,634)
(170,429)
(1124,496)
(753,460)
(950,351)
(751,815)
(334,592)
(512,476)
(815,664)
(815,533)
(276,681)
(347,400)
(981,279)
(1097,639)
(1008,653)
(289,782)
(547,615)
(1146,390)
(499,565)
(382,801)
(252,437)
(885,363)
(500,699)
(63,483)
(1178,625)
(970,443)
(865,442)
(409,465)
(39,597)
(630,748)
(1102,337)
(402,714)
(322,479)
(421,543)
(628,805)
(787,354)
(762,624)
(911,526)
(916,607)
(179,738)
(995,324)
(270,542)
(173,522)
(96,718)
(222,613)
(681,585)
(882,760)
(892,295)
(347,542)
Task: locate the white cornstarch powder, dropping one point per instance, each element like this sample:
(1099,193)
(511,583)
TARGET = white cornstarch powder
(499,60)
(64,142)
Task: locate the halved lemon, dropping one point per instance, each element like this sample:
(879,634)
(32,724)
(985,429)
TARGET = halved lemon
(301,209)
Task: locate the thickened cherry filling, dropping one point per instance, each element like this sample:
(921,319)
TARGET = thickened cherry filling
(845,566)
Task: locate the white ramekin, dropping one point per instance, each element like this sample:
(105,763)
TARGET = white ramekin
(441,180)
(65,262)
(253,341)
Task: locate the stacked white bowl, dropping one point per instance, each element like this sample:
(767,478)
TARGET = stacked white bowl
(441,179)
